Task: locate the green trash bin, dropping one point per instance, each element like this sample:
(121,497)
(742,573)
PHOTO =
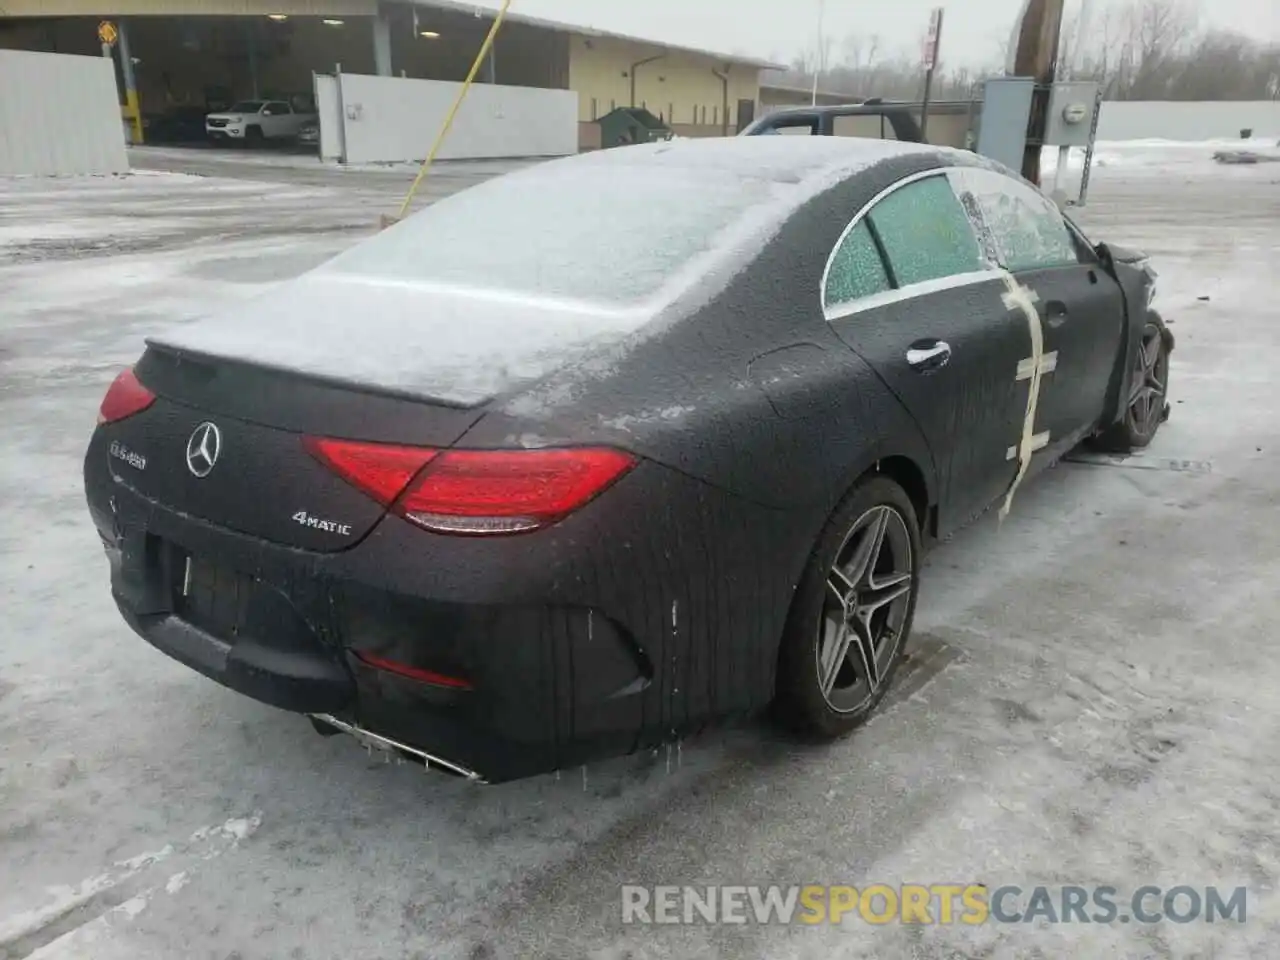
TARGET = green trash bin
(627,125)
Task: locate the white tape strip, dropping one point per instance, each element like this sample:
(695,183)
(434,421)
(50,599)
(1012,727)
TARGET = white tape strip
(1033,368)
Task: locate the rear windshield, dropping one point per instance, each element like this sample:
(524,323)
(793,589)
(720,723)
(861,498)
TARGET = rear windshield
(598,233)
(246,106)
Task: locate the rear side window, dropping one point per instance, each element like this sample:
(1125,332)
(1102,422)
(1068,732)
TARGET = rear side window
(926,233)
(1024,228)
(856,269)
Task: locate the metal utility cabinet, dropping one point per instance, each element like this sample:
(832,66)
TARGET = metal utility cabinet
(1005,120)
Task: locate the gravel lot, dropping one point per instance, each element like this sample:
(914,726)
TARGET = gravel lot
(1094,697)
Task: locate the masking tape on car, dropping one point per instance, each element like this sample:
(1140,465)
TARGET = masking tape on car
(1033,368)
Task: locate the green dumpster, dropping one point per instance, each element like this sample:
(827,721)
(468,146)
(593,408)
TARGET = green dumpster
(631,125)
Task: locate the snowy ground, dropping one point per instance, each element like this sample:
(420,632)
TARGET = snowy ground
(1100,702)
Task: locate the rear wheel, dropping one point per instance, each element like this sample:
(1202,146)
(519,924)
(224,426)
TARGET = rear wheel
(852,612)
(1148,404)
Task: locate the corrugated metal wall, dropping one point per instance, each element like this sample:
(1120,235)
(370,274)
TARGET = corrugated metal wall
(59,115)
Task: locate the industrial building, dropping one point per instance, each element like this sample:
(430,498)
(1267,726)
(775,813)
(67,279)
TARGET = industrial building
(197,55)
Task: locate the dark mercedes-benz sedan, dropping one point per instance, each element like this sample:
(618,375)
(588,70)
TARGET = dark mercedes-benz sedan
(582,459)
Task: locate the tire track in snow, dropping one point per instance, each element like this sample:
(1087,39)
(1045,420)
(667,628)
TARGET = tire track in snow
(77,918)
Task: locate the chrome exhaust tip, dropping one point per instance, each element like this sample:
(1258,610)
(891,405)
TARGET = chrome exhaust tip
(376,741)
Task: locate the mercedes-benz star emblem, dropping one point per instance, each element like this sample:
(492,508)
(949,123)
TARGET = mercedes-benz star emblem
(203,449)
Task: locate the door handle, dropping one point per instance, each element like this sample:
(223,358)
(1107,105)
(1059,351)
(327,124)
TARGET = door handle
(926,356)
(1056,311)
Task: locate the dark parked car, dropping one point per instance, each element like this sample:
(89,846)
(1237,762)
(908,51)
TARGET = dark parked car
(897,122)
(177,125)
(579,460)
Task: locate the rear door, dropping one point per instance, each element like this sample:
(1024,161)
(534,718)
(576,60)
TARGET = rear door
(278,119)
(1080,308)
(909,289)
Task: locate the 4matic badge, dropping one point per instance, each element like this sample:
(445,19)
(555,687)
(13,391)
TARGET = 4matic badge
(329,526)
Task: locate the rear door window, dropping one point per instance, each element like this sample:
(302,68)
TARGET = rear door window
(1023,228)
(856,269)
(926,233)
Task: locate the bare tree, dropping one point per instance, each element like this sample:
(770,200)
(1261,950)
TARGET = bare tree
(1137,49)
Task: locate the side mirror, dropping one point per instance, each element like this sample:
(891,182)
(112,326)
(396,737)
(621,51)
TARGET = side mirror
(1104,254)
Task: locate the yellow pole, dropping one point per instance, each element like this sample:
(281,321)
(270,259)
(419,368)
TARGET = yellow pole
(453,110)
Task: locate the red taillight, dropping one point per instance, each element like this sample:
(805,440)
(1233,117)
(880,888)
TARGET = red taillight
(379,469)
(475,492)
(413,673)
(125,397)
(509,491)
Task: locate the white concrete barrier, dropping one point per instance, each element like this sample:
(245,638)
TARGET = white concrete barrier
(59,115)
(1187,120)
(391,119)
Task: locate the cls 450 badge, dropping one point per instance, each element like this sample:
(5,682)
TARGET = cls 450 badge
(132,458)
(329,526)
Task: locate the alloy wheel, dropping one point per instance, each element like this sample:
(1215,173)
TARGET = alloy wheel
(1151,375)
(867,601)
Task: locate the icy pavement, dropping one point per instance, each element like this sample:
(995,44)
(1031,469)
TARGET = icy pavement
(299,166)
(1095,698)
(1160,158)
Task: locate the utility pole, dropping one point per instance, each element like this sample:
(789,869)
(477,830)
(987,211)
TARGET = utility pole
(822,48)
(1036,56)
(931,44)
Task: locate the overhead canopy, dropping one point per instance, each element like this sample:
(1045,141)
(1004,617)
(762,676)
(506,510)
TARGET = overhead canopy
(330,8)
(194,8)
(561,26)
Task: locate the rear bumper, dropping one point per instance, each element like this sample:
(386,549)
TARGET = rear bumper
(590,640)
(303,680)
(507,722)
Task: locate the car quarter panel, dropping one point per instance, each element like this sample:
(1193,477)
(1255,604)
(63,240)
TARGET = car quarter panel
(750,390)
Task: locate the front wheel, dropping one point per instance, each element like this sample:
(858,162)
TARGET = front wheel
(852,612)
(1148,404)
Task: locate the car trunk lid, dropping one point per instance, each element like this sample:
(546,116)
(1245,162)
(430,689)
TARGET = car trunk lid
(225,443)
(438,343)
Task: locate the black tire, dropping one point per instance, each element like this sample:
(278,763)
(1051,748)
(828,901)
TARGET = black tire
(254,136)
(801,702)
(1148,405)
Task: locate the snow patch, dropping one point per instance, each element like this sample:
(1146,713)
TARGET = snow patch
(134,906)
(511,280)
(628,421)
(134,864)
(1151,156)
(242,828)
(176,882)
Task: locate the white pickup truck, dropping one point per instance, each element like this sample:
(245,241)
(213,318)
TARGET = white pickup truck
(256,120)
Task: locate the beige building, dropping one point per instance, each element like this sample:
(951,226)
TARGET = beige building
(199,53)
(695,92)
